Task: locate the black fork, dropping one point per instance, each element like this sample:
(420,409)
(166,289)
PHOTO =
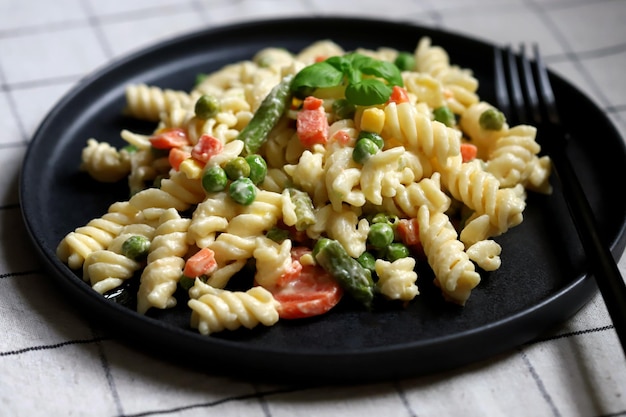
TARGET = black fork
(525,96)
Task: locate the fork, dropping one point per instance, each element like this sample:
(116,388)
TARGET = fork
(524,94)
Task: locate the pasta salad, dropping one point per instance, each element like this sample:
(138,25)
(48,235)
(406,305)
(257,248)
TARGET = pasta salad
(320,175)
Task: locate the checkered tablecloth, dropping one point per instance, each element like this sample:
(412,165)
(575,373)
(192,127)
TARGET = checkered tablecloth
(54,362)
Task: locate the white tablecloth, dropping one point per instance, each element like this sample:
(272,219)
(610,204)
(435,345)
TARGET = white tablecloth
(53,361)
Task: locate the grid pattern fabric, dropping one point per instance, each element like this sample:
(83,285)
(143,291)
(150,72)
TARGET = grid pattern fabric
(53,361)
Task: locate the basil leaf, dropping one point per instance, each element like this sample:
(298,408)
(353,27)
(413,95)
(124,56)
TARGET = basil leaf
(368,92)
(338,62)
(358,61)
(385,70)
(320,74)
(350,69)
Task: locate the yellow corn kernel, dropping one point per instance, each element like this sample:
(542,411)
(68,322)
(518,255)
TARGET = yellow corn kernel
(307,259)
(296,103)
(373,120)
(191,168)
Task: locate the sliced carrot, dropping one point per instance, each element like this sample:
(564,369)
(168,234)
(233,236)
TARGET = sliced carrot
(409,232)
(177,156)
(312,103)
(468,151)
(342,137)
(305,290)
(312,124)
(200,263)
(169,138)
(206,147)
(398,95)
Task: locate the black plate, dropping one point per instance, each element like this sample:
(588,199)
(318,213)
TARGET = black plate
(542,281)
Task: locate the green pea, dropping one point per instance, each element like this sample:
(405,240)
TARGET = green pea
(214,179)
(492,119)
(136,247)
(363,149)
(237,168)
(397,251)
(405,61)
(343,109)
(258,168)
(373,136)
(243,191)
(390,219)
(444,115)
(367,261)
(206,107)
(380,235)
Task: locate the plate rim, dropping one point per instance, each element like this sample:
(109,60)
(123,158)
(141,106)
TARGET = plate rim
(582,283)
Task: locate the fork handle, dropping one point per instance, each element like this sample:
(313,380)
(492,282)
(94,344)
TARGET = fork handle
(602,263)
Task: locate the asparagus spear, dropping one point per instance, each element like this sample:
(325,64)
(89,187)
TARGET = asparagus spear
(266,116)
(303,207)
(354,278)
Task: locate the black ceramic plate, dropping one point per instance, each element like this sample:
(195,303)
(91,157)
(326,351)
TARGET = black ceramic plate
(542,280)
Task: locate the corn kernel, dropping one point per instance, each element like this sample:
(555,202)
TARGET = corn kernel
(307,259)
(296,103)
(191,168)
(373,120)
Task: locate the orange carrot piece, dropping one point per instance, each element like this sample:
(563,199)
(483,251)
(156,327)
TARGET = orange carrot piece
(398,95)
(468,151)
(201,263)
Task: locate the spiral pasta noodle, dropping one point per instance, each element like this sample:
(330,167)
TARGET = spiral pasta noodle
(459,83)
(107,269)
(308,175)
(148,102)
(343,178)
(105,163)
(177,192)
(486,254)
(513,160)
(396,280)
(426,192)
(480,191)
(165,262)
(346,227)
(427,88)
(210,218)
(417,132)
(97,234)
(214,310)
(455,274)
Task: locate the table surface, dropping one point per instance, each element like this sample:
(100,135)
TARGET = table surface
(54,361)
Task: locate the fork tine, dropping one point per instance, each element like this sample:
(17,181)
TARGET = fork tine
(529,85)
(518,111)
(502,94)
(545,88)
